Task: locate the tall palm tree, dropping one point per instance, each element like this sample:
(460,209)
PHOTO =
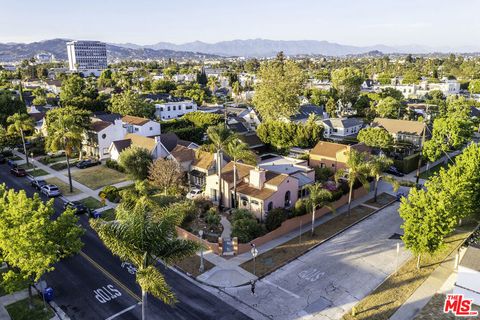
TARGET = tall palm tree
(377,165)
(66,127)
(19,123)
(220,138)
(238,150)
(319,197)
(357,169)
(142,234)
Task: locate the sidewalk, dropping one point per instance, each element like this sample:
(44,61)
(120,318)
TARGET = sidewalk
(227,273)
(441,280)
(59,175)
(412,176)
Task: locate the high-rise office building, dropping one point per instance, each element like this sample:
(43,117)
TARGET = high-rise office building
(87,57)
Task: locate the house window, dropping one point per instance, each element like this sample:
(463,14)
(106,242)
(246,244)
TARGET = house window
(333,165)
(287,199)
(151,128)
(168,108)
(255,202)
(174,108)
(104,136)
(322,165)
(188,108)
(136,129)
(270,206)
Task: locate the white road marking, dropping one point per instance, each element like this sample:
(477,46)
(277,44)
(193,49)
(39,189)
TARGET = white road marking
(123,311)
(283,289)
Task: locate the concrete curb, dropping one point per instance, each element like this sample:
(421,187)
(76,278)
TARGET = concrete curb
(292,259)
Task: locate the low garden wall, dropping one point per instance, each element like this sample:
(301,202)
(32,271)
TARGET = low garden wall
(294,223)
(286,227)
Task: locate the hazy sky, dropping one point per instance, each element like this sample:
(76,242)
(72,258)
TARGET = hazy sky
(356,22)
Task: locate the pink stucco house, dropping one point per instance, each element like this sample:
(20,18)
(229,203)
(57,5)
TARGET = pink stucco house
(258,190)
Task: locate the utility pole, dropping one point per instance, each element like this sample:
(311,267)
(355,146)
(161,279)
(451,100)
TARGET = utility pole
(421,153)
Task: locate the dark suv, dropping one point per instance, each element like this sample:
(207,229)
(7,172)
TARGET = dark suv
(87,163)
(77,206)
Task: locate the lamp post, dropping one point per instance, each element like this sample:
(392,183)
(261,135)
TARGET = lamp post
(31,156)
(202,266)
(254,252)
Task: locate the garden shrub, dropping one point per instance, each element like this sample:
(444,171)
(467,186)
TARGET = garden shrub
(110,193)
(212,218)
(112,164)
(300,207)
(247,229)
(323,174)
(275,218)
(239,214)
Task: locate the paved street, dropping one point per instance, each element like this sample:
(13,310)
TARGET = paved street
(329,280)
(93,284)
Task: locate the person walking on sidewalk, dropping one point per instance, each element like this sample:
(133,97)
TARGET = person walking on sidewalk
(252,286)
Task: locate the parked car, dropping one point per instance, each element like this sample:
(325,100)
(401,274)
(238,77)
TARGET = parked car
(394,171)
(87,163)
(194,193)
(50,190)
(38,184)
(19,172)
(77,206)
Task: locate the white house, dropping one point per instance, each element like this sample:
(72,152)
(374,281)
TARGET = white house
(468,275)
(174,109)
(341,127)
(101,135)
(142,126)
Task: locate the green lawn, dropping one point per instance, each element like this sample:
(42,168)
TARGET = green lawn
(382,302)
(432,171)
(38,172)
(273,259)
(191,265)
(63,165)
(91,203)
(14,158)
(20,311)
(52,159)
(25,166)
(98,176)
(64,187)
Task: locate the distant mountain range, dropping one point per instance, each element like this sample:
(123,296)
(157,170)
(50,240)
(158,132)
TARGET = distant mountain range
(57,47)
(198,49)
(267,48)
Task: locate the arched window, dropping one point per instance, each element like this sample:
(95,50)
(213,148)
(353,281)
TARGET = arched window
(287,199)
(270,206)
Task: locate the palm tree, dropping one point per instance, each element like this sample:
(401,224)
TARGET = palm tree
(357,169)
(220,138)
(19,123)
(319,197)
(238,150)
(66,127)
(142,234)
(377,165)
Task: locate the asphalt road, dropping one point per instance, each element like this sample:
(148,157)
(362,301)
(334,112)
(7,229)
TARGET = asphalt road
(94,285)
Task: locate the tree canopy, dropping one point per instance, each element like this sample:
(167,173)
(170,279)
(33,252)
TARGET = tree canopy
(375,137)
(131,104)
(347,82)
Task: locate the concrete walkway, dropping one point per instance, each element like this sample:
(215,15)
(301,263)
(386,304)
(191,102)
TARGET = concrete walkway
(227,272)
(441,280)
(227,228)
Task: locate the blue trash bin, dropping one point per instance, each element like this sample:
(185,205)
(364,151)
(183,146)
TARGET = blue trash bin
(96,214)
(48,294)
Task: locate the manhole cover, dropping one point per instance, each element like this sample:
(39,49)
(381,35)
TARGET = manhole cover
(395,236)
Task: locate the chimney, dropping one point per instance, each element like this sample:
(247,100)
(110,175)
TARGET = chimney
(257,177)
(158,139)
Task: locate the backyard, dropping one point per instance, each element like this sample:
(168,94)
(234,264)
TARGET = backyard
(98,176)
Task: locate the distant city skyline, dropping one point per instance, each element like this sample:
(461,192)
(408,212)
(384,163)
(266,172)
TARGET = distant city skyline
(435,23)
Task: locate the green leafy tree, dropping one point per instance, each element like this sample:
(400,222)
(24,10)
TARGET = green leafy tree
(32,242)
(277,93)
(19,123)
(391,92)
(163,86)
(142,235)
(203,119)
(411,77)
(376,138)
(72,88)
(474,86)
(331,107)
(347,82)
(318,197)
(66,128)
(357,169)
(105,80)
(388,107)
(136,162)
(239,151)
(130,103)
(9,105)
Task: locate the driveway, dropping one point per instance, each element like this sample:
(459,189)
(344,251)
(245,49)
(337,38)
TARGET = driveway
(326,282)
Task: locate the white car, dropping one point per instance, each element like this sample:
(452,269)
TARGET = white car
(50,190)
(194,193)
